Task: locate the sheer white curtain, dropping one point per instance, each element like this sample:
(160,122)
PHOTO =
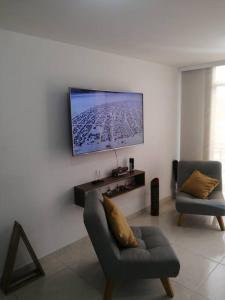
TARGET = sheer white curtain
(216,107)
(208,74)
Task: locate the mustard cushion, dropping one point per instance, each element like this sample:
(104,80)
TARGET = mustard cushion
(118,224)
(199,185)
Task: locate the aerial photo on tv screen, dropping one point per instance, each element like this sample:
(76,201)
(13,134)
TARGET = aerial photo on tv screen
(105,120)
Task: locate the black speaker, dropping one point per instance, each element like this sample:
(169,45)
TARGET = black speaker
(175,169)
(131,164)
(155,197)
(174,178)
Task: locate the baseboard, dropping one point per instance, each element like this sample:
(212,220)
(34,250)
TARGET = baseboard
(162,202)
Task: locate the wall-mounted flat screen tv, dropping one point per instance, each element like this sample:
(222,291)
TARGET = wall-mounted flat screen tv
(104,120)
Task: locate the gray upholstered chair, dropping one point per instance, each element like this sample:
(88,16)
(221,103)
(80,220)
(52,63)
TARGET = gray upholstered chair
(153,258)
(187,204)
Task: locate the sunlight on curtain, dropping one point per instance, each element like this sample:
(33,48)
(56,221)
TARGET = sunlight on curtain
(217,132)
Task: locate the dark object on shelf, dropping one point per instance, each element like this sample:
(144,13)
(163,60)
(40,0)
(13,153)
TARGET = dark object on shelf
(120,171)
(12,280)
(81,190)
(175,169)
(108,192)
(155,197)
(131,164)
(120,189)
(97,181)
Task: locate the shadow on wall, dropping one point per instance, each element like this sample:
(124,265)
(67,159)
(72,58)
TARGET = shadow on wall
(5,233)
(66,199)
(58,122)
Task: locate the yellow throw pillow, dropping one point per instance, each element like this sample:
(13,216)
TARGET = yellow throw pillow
(199,185)
(118,224)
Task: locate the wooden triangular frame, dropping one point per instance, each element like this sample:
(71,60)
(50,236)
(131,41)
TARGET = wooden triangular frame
(8,283)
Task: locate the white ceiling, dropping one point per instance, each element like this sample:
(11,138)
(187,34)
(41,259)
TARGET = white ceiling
(175,32)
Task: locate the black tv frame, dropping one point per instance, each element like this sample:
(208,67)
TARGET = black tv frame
(103,91)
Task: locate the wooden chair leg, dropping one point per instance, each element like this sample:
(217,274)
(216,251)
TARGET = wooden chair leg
(221,223)
(180,219)
(167,286)
(108,290)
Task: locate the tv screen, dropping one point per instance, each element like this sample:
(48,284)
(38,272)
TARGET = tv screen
(103,120)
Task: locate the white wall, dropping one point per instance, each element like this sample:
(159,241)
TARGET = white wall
(37,171)
(195,86)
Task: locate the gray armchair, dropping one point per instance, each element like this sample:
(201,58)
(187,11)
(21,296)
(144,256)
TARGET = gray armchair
(187,204)
(153,258)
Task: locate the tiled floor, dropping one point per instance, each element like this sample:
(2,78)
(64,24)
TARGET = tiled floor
(74,272)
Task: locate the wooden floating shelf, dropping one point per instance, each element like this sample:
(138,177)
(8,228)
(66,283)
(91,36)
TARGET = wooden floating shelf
(81,190)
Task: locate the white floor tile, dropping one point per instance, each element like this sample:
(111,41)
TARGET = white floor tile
(214,286)
(150,289)
(64,285)
(51,264)
(194,268)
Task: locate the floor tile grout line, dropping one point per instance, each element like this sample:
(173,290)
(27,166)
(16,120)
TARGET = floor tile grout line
(86,282)
(191,290)
(198,254)
(188,288)
(204,297)
(222,264)
(207,277)
(46,277)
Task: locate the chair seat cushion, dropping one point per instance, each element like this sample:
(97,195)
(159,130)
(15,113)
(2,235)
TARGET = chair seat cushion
(213,206)
(153,258)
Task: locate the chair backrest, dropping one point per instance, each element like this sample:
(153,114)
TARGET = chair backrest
(97,227)
(210,168)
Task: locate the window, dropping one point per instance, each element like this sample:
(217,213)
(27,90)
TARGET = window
(217,131)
